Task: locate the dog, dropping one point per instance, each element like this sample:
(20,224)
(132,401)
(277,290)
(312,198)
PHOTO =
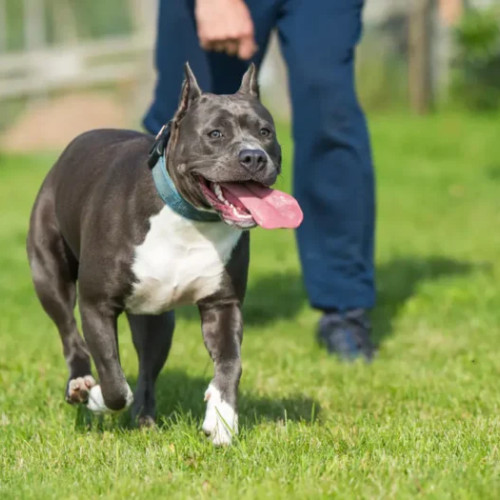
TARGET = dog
(145,225)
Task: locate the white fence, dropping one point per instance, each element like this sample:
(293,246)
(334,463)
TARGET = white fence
(39,68)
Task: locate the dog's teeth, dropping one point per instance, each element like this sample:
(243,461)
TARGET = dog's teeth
(218,192)
(236,211)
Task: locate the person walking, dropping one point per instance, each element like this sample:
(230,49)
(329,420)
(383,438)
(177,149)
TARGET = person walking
(333,171)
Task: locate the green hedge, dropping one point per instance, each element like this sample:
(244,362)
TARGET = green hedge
(476,74)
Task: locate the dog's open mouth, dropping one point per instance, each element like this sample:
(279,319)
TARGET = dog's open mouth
(247,204)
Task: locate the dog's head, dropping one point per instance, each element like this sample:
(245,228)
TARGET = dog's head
(223,153)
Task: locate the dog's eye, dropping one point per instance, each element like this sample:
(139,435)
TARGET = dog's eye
(215,134)
(265,132)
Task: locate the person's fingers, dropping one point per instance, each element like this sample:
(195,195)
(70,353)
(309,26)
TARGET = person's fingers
(213,41)
(232,47)
(247,47)
(218,46)
(204,44)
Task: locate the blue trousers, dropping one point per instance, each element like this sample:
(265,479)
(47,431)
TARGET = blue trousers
(333,172)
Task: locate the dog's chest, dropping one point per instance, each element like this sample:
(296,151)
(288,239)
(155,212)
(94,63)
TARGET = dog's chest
(179,262)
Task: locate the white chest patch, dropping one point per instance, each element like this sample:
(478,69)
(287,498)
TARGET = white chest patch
(179,262)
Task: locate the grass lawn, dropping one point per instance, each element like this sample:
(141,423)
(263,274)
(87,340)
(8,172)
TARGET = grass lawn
(423,420)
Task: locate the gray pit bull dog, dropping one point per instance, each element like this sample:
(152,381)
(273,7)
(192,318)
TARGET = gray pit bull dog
(100,220)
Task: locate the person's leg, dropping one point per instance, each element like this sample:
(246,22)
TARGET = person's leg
(334,180)
(177,42)
(333,169)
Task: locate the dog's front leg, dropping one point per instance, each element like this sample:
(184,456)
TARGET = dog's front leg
(99,329)
(222,333)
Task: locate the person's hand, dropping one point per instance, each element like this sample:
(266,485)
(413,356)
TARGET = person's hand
(225,26)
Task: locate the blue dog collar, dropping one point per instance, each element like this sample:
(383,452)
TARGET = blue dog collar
(169,194)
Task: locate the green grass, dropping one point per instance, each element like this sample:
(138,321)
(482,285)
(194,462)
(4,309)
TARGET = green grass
(421,421)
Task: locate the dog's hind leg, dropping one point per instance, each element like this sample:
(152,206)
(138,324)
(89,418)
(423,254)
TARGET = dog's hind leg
(222,328)
(54,270)
(152,336)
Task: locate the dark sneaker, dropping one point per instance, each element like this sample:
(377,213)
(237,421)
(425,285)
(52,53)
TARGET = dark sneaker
(347,334)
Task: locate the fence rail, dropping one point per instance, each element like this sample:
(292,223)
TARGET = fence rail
(112,59)
(39,66)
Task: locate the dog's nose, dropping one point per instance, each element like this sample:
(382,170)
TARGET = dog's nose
(252,159)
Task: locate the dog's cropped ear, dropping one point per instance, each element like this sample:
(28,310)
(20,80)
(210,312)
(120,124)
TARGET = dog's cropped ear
(190,91)
(249,84)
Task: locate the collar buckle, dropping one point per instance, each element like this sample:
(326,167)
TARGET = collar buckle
(160,144)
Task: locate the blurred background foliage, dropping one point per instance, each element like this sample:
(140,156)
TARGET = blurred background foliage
(476,68)
(94,19)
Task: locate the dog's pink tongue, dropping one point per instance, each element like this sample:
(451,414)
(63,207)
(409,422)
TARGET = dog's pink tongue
(270,208)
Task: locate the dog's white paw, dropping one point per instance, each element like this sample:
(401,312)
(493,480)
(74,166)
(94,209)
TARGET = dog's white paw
(97,405)
(221,421)
(79,388)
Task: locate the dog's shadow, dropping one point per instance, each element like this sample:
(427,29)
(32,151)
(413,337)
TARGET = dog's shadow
(180,396)
(178,393)
(270,298)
